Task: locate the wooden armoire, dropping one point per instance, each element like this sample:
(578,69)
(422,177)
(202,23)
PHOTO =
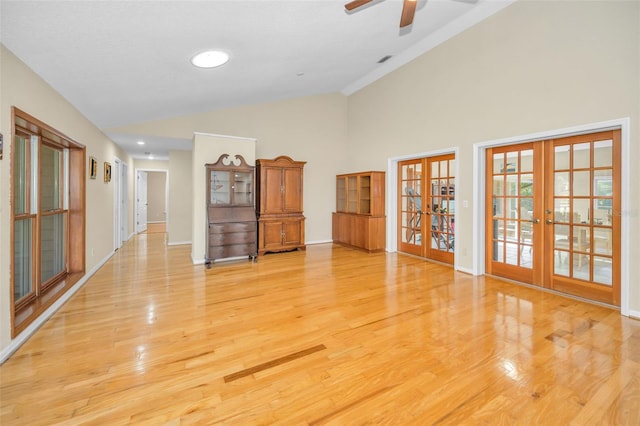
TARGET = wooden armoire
(279,205)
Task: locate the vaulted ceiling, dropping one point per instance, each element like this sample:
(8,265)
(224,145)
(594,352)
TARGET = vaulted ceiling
(125,62)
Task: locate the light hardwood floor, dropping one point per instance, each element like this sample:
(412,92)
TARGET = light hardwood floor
(324,336)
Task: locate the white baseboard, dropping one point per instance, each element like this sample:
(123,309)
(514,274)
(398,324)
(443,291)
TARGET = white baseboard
(634,314)
(21,338)
(465,270)
(157,221)
(179,243)
(197,261)
(310,243)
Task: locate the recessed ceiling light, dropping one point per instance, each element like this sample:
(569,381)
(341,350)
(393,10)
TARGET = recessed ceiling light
(210,59)
(140,142)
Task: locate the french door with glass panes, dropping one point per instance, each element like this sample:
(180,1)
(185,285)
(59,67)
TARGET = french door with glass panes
(553,214)
(427,229)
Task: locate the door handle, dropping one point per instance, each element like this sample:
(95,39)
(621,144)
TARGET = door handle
(549,221)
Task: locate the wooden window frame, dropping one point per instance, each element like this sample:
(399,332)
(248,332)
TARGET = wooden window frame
(27,309)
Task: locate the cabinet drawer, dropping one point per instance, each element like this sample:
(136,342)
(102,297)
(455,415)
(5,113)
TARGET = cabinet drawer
(220,252)
(228,238)
(218,228)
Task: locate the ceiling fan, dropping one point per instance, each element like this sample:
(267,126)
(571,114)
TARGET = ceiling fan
(408,10)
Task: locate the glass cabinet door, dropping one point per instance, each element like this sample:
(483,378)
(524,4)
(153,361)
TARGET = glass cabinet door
(352,194)
(219,182)
(364,205)
(242,188)
(341,194)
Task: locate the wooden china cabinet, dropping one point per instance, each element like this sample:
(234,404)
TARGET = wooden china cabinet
(279,205)
(359,220)
(232,226)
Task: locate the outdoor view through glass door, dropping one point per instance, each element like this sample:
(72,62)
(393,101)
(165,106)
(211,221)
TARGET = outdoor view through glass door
(553,214)
(427,229)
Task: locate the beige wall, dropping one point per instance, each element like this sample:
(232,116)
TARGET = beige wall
(179,226)
(311,129)
(22,88)
(533,67)
(157,196)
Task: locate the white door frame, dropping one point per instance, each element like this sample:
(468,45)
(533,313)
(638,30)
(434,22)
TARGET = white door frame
(117,205)
(479,184)
(124,202)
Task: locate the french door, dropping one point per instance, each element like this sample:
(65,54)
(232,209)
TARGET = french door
(553,214)
(427,229)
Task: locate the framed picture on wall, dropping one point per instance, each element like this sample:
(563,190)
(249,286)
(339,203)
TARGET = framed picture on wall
(93,167)
(107,172)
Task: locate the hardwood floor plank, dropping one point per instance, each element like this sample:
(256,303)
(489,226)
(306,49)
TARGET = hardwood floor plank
(329,335)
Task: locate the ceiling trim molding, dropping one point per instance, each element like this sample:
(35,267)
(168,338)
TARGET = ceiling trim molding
(482,11)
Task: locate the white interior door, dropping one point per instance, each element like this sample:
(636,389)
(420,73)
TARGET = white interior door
(124,203)
(141,201)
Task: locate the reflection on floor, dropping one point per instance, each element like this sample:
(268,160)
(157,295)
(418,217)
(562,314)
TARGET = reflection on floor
(156,228)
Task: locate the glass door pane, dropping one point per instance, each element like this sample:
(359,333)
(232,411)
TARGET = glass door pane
(583,191)
(352,194)
(242,190)
(511,217)
(219,182)
(365,195)
(410,206)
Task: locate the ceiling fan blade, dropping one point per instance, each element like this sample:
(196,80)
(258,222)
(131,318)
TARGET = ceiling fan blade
(408,10)
(356,3)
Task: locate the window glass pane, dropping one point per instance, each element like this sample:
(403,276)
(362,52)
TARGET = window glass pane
(22,258)
(452,168)
(52,245)
(20,182)
(512,162)
(50,178)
